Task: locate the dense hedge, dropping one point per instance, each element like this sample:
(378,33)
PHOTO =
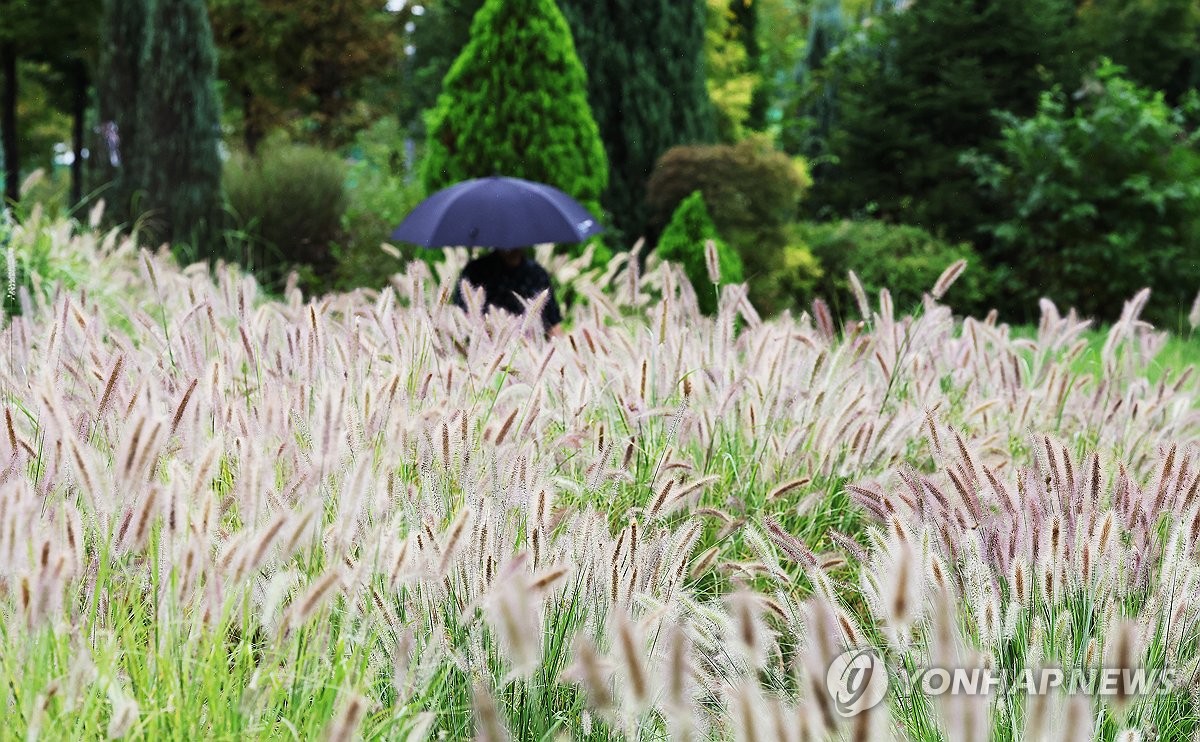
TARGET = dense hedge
(906,260)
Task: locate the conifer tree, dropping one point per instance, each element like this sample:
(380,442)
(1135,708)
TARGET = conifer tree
(177,163)
(921,87)
(515,103)
(817,108)
(646,84)
(123,36)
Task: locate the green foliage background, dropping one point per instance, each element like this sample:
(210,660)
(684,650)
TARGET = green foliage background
(919,86)
(1097,200)
(289,203)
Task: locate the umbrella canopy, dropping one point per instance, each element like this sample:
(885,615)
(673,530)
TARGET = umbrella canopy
(497,212)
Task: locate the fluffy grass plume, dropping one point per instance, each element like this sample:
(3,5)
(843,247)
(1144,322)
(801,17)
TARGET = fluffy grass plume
(227,515)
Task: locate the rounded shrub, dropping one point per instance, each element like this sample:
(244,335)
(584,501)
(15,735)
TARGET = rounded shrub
(785,278)
(906,260)
(752,190)
(288,205)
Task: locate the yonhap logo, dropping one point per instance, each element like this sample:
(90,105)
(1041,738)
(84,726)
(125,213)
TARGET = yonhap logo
(857,680)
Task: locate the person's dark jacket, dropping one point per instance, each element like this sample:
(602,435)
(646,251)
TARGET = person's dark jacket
(505,287)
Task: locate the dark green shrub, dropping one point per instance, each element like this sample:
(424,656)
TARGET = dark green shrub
(903,259)
(1095,200)
(917,88)
(785,278)
(288,204)
(751,190)
(380,191)
(683,241)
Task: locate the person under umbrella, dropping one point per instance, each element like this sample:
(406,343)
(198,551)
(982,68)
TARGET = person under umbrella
(507,277)
(507,215)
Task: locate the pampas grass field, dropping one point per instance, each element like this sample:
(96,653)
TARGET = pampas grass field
(225,515)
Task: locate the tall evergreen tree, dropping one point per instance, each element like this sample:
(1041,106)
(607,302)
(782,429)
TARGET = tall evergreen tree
(1157,41)
(438,37)
(646,83)
(177,165)
(921,87)
(123,37)
(515,103)
(816,108)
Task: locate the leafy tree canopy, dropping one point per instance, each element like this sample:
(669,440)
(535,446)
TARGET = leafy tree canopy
(1096,200)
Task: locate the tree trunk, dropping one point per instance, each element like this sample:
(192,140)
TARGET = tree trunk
(8,120)
(251,133)
(79,111)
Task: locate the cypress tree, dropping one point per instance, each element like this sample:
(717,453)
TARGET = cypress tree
(817,109)
(123,36)
(515,103)
(177,163)
(646,83)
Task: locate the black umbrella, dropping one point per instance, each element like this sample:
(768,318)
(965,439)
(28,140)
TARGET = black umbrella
(497,212)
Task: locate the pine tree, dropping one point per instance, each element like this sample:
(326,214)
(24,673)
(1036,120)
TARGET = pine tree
(177,163)
(646,84)
(123,37)
(1157,41)
(515,103)
(922,86)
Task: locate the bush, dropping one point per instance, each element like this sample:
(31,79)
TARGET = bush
(381,189)
(903,259)
(788,278)
(917,88)
(751,189)
(1096,201)
(288,204)
(753,192)
(683,242)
